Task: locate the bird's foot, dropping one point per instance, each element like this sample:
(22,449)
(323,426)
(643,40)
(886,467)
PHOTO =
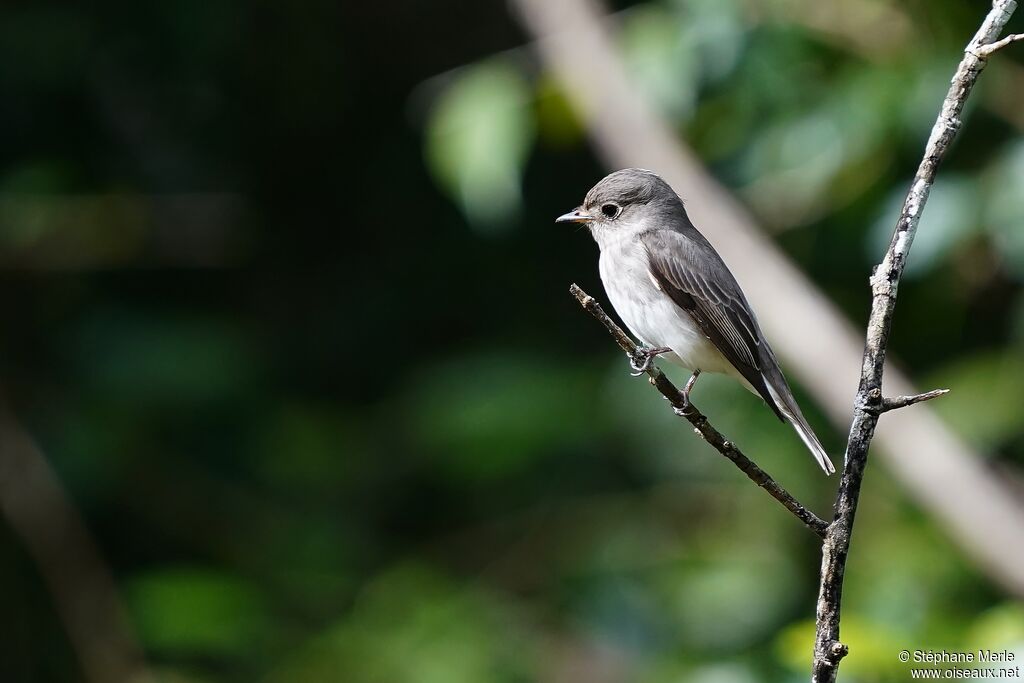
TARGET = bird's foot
(684,395)
(641,360)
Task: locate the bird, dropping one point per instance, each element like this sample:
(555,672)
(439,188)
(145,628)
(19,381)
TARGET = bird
(677,296)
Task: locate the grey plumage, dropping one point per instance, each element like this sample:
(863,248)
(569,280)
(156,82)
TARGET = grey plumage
(673,290)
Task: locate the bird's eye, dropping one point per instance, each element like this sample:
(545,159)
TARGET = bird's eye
(611,210)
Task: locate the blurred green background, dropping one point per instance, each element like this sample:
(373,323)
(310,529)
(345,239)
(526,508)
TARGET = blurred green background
(285,310)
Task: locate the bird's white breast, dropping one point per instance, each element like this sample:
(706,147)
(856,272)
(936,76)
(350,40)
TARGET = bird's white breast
(650,313)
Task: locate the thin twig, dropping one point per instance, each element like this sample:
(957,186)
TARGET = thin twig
(828,650)
(904,401)
(700,423)
(985,51)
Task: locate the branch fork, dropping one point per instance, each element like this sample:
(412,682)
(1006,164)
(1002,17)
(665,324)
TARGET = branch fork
(986,51)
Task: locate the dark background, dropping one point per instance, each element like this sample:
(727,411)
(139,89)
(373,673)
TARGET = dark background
(326,421)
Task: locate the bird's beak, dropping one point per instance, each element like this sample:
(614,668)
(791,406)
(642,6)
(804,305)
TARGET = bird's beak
(574,216)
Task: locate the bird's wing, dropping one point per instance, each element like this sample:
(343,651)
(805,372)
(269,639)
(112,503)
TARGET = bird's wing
(694,276)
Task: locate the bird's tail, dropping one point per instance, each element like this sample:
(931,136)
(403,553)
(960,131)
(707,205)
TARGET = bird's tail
(810,440)
(788,407)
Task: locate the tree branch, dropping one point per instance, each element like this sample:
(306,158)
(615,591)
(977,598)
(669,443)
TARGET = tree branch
(828,650)
(904,401)
(700,423)
(985,51)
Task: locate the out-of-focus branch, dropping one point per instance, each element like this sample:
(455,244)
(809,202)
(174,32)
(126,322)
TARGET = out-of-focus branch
(828,650)
(931,462)
(700,423)
(83,590)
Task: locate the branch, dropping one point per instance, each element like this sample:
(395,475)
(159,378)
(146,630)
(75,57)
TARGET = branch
(700,423)
(985,51)
(828,651)
(904,401)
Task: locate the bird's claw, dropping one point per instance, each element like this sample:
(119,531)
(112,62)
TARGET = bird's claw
(640,363)
(684,394)
(642,359)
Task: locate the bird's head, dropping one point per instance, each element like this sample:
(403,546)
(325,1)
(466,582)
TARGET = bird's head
(620,201)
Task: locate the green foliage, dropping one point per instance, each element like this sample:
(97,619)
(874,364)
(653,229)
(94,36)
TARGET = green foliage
(480,133)
(157,360)
(984,405)
(411,624)
(662,59)
(1003,211)
(477,432)
(188,612)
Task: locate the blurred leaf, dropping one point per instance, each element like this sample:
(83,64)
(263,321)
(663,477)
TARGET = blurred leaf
(110,226)
(874,648)
(491,415)
(128,358)
(1004,210)
(898,596)
(557,122)
(681,669)
(308,448)
(670,50)
(168,674)
(923,97)
(794,162)
(729,600)
(87,451)
(187,611)
(413,625)
(984,399)
(723,673)
(39,176)
(1000,628)
(717,31)
(478,137)
(661,58)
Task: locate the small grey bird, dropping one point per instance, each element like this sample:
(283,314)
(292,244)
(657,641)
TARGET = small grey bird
(674,292)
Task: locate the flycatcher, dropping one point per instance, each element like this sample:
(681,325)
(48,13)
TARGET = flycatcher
(675,293)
